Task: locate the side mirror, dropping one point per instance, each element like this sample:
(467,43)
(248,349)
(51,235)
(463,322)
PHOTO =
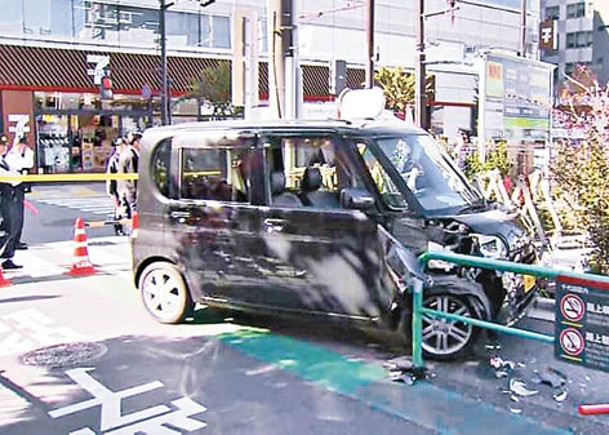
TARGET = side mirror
(356,199)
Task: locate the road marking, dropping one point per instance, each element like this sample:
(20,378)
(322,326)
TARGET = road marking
(28,329)
(94,204)
(113,421)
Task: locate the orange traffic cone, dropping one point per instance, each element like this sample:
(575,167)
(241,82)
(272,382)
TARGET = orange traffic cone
(81,265)
(135,225)
(4,282)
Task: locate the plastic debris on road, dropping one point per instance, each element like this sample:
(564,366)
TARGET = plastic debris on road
(560,396)
(402,369)
(519,387)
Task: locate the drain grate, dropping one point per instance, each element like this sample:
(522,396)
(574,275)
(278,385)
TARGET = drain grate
(62,355)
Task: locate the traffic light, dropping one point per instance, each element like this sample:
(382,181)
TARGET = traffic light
(106,88)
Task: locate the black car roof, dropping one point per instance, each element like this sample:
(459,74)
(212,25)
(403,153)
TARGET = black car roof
(357,127)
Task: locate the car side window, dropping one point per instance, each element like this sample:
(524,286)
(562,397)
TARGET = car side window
(214,174)
(306,171)
(389,192)
(161,160)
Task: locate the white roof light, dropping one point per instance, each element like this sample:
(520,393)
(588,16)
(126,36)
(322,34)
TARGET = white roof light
(361,103)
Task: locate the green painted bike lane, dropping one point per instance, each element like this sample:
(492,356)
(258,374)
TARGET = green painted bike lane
(424,404)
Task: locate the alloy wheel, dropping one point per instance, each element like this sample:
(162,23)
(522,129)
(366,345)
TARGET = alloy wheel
(443,336)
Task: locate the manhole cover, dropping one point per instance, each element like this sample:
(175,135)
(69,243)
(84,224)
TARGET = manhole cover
(62,355)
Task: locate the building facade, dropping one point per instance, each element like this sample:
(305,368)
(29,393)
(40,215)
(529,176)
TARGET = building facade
(582,32)
(54,54)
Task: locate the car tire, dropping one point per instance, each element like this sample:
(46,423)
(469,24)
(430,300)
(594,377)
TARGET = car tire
(165,293)
(442,339)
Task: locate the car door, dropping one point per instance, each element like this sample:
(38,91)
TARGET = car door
(215,215)
(334,253)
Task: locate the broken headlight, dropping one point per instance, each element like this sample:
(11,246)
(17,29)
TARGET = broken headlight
(491,246)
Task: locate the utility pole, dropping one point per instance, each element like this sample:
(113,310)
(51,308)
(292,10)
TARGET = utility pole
(523,28)
(165,81)
(165,97)
(289,48)
(370,43)
(420,70)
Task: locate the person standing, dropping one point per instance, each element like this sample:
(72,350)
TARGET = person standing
(20,158)
(112,185)
(128,164)
(8,209)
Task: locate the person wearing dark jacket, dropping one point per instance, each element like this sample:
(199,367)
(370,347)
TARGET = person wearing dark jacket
(20,158)
(128,164)
(112,185)
(9,210)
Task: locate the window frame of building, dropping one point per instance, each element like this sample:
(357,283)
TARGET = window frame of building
(552,13)
(576,10)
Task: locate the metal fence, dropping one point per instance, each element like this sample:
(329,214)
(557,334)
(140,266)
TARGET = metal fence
(560,276)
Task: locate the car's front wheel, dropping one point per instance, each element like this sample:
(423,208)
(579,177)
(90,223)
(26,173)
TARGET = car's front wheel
(444,339)
(165,293)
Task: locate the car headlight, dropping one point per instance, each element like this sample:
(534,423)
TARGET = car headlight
(491,246)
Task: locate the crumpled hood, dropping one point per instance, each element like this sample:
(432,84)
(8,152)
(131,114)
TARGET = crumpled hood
(493,222)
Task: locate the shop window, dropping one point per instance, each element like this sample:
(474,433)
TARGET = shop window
(182,29)
(215,31)
(48,18)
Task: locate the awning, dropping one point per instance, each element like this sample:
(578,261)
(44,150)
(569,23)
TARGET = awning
(65,70)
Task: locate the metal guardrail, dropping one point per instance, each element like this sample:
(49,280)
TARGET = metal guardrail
(562,276)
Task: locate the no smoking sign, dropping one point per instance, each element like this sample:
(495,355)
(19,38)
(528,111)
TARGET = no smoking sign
(572,307)
(571,341)
(582,325)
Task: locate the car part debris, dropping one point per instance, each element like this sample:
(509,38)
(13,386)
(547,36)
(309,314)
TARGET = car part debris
(519,387)
(550,377)
(404,370)
(560,396)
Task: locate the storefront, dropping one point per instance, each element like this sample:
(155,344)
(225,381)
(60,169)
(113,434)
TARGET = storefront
(60,110)
(74,132)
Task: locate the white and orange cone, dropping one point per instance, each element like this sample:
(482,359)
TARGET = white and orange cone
(4,282)
(81,265)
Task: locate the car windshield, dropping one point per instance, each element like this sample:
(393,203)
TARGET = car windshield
(429,173)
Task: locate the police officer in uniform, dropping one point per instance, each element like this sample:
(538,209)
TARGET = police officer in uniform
(9,209)
(20,158)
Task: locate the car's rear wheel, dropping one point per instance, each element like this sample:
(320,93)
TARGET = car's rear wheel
(165,293)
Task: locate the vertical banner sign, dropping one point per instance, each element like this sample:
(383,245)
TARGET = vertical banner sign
(548,40)
(582,326)
(515,100)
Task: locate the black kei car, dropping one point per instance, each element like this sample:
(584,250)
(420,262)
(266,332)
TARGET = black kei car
(305,217)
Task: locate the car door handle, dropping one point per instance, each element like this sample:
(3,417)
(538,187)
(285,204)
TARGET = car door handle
(271,225)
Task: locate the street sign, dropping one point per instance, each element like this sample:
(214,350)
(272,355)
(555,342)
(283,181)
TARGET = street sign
(146,91)
(582,326)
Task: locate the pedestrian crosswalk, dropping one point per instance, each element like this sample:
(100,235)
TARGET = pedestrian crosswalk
(98,205)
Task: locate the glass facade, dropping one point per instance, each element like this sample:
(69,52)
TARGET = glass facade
(112,23)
